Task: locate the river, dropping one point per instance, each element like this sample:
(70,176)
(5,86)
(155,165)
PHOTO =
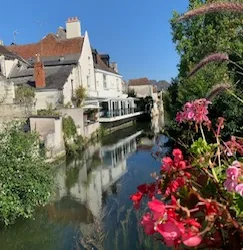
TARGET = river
(91,208)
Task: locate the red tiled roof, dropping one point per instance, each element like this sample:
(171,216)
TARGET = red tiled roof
(139,81)
(101,65)
(49,46)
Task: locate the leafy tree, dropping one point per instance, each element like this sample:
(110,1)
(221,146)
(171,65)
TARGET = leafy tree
(198,37)
(25,178)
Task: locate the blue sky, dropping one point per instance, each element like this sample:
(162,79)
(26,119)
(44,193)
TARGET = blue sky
(136,33)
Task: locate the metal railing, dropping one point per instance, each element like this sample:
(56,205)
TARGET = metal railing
(118,112)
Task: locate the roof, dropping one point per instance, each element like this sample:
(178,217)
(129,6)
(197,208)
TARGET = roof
(58,60)
(51,45)
(9,54)
(100,64)
(56,76)
(139,82)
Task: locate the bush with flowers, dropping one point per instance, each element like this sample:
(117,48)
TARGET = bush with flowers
(197,199)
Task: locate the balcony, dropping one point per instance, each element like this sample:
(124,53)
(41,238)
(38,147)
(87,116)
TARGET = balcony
(118,114)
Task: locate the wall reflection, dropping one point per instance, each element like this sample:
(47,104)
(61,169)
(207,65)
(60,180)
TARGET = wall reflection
(83,182)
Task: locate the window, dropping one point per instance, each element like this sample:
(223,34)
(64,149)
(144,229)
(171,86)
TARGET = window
(88,81)
(72,90)
(104,81)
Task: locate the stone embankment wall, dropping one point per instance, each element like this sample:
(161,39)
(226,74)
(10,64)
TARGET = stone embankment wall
(84,128)
(50,130)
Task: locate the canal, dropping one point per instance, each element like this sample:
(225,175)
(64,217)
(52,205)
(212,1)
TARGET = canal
(91,208)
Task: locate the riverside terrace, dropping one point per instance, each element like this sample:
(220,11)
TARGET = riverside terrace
(117,109)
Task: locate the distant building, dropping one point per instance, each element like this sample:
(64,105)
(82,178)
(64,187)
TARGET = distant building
(143,88)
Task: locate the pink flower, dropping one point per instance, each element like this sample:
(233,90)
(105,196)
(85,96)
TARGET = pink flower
(239,189)
(177,153)
(167,164)
(148,224)
(136,198)
(233,173)
(230,184)
(195,111)
(157,206)
(143,188)
(192,241)
(170,233)
(175,185)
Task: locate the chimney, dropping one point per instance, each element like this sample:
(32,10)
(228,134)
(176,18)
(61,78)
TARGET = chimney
(114,66)
(94,53)
(106,59)
(39,73)
(73,28)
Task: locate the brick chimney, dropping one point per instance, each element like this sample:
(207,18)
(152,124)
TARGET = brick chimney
(39,73)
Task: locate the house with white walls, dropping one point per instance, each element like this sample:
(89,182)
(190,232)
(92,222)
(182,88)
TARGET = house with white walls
(66,54)
(68,62)
(8,107)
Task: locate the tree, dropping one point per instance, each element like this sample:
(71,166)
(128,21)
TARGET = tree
(201,36)
(25,178)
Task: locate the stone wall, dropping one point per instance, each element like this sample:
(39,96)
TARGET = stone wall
(50,130)
(78,116)
(91,128)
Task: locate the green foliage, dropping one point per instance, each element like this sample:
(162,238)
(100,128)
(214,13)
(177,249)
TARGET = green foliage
(196,38)
(200,147)
(25,97)
(231,109)
(80,95)
(131,92)
(238,204)
(50,112)
(170,97)
(24,94)
(25,178)
(69,128)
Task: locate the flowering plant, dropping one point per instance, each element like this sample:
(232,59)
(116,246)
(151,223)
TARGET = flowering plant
(197,199)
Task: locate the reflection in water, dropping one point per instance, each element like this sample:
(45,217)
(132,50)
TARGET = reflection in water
(91,209)
(101,168)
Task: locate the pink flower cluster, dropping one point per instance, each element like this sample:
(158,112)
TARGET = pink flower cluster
(176,168)
(174,229)
(234,146)
(195,111)
(234,173)
(143,190)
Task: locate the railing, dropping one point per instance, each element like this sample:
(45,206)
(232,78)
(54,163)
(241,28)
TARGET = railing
(118,112)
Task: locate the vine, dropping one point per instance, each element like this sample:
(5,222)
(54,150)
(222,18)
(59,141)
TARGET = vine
(25,97)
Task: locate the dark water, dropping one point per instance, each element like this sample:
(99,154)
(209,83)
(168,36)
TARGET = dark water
(91,209)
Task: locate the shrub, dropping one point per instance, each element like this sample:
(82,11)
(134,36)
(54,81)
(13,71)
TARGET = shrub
(198,193)
(25,178)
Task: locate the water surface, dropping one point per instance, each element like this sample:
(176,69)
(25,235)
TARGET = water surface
(91,208)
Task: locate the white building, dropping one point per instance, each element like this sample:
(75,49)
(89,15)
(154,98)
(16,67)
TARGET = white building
(69,62)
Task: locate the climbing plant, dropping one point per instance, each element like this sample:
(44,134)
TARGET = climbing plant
(80,95)
(25,96)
